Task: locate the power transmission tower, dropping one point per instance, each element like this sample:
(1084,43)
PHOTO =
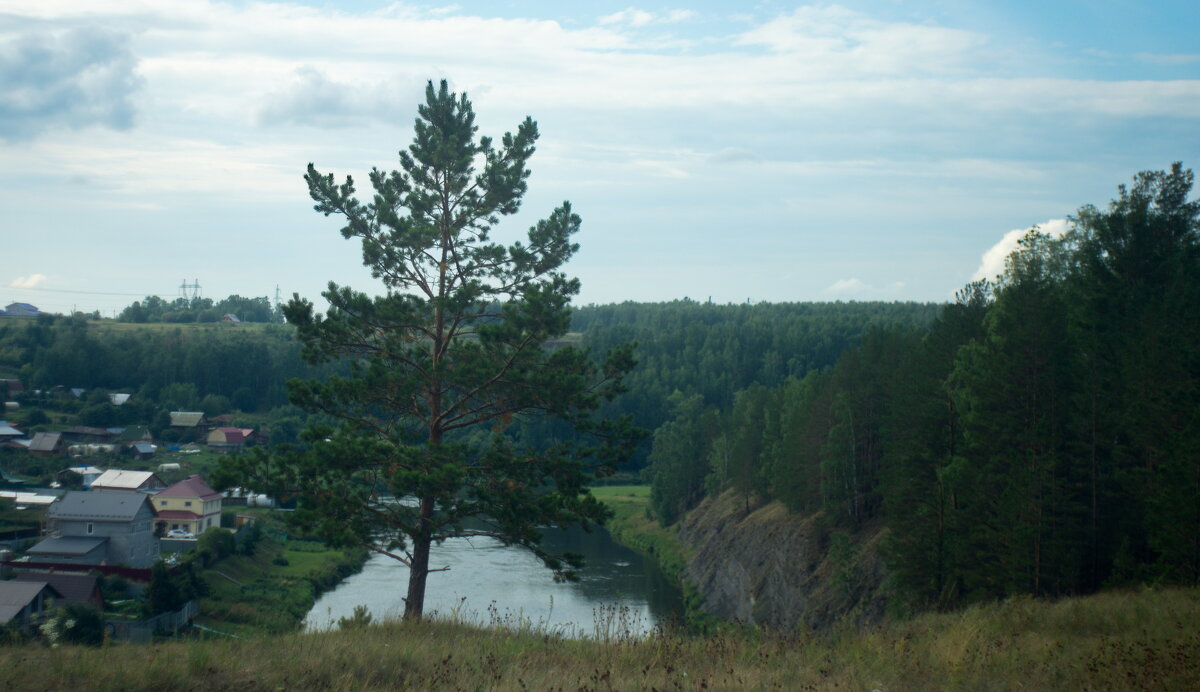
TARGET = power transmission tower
(194,288)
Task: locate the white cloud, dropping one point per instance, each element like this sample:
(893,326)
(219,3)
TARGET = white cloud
(847,287)
(992,263)
(636,18)
(27,281)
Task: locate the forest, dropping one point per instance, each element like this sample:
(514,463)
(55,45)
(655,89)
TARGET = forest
(1039,437)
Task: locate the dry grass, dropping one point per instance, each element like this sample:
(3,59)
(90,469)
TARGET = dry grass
(1119,641)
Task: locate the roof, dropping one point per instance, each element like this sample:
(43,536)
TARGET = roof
(67,545)
(75,588)
(27,498)
(27,306)
(128,480)
(85,430)
(118,399)
(45,442)
(8,430)
(134,433)
(15,595)
(192,486)
(186,419)
(98,505)
(144,447)
(177,514)
(85,470)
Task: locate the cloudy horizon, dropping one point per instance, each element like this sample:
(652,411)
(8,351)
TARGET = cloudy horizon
(778,152)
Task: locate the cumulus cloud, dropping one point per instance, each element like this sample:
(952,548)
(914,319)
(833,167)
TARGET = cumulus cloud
(74,78)
(313,98)
(991,264)
(27,281)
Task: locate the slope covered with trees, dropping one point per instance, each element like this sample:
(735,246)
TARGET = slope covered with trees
(1039,437)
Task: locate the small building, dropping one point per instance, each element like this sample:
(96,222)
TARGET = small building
(190,505)
(97,527)
(143,450)
(9,432)
(134,433)
(23,602)
(191,425)
(226,440)
(74,588)
(88,473)
(119,399)
(48,444)
(83,434)
(138,481)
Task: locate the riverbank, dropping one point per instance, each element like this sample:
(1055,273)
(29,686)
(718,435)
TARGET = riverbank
(271,590)
(1115,641)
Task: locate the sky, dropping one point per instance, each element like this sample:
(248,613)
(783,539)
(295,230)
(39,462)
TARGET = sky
(724,151)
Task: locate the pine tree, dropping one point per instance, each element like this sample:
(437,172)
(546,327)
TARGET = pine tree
(440,365)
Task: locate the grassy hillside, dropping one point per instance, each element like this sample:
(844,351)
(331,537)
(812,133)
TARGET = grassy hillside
(1147,640)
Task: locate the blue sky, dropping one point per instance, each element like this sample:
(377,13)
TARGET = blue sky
(771,151)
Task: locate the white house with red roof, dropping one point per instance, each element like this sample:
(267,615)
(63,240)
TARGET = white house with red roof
(189,505)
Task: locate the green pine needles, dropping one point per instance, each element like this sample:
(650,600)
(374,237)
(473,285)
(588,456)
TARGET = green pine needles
(442,364)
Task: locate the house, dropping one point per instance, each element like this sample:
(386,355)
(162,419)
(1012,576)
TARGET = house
(88,473)
(225,440)
(118,399)
(82,434)
(189,505)
(48,444)
(117,479)
(143,450)
(8,432)
(133,434)
(190,424)
(21,310)
(74,588)
(99,527)
(24,601)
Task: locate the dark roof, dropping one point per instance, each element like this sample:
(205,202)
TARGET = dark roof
(75,588)
(192,486)
(14,596)
(98,505)
(67,545)
(85,430)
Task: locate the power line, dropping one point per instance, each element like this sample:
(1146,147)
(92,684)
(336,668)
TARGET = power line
(91,293)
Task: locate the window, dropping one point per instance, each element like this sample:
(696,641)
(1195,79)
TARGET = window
(187,504)
(90,527)
(164,503)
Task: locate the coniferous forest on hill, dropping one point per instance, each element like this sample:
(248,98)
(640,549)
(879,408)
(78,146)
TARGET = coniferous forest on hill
(1038,435)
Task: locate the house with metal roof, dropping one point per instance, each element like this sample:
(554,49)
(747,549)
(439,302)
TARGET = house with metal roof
(8,432)
(190,505)
(75,588)
(21,310)
(119,479)
(226,440)
(88,473)
(98,527)
(48,444)
(24,602)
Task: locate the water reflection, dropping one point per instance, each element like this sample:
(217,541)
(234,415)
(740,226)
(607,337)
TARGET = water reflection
(490,584)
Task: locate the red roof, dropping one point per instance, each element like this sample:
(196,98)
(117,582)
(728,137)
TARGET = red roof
(192,486)
(176,514)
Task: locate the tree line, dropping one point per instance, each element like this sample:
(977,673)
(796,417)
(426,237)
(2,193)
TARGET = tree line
(1039,437)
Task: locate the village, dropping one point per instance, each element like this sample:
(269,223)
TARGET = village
(98,538)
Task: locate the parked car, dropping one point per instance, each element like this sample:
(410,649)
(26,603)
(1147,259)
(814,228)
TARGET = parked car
(179,533)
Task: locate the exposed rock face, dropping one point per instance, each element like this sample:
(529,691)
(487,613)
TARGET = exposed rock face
(777,570)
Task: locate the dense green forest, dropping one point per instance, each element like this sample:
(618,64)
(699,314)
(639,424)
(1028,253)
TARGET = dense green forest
(1039,437)
(186,310)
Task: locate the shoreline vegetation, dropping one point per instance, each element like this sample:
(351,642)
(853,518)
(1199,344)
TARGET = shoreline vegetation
(1129,640)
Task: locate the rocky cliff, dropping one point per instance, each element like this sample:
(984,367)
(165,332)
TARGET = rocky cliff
(770,568)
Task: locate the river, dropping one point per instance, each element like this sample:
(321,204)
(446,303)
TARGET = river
(619,591)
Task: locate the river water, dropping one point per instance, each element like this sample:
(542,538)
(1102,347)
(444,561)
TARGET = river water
(619,591)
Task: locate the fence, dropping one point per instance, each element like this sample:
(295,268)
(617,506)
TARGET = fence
(143,631)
